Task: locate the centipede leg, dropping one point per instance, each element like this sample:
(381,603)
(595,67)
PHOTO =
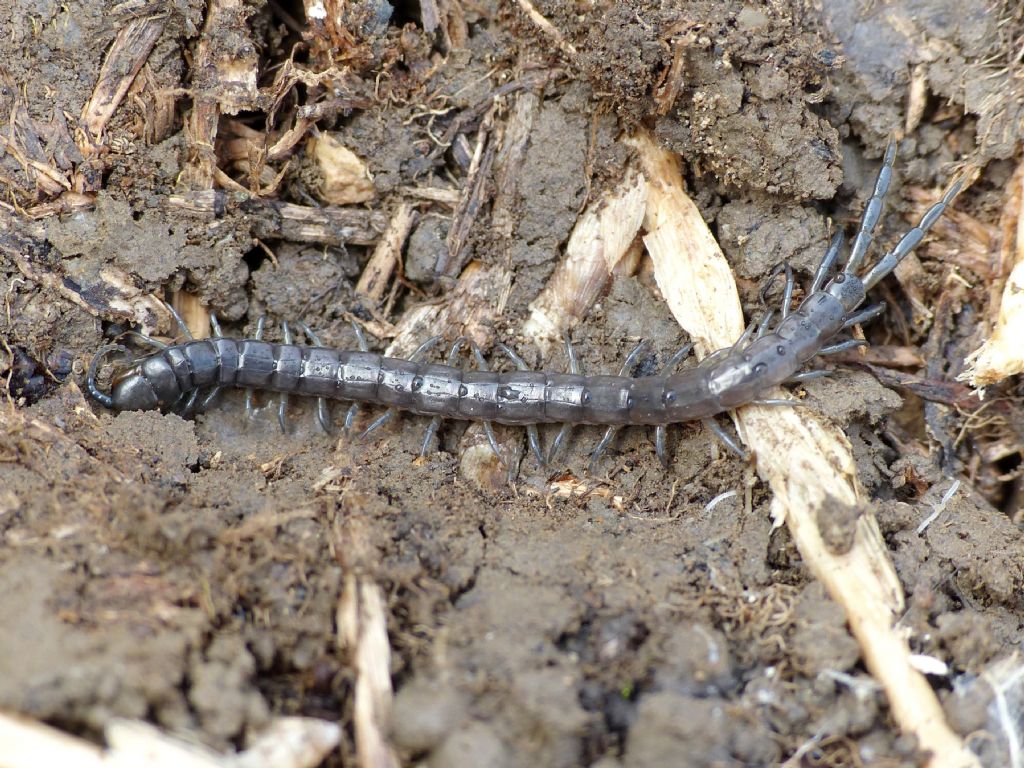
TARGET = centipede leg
(377,423)
(828,263)
(807,376)
(661,444)
(215,325)
(532,434)
(716,429)
(842,346)
(435,423)
(282,399)
(250,394)
(566,429)
(481,364)
(353,410)
(787,291)
(869,313)
(147,340)
(210,398)
(179,321)
(350,418)
(661,431)
(190,404)
(323,410)
(609,434)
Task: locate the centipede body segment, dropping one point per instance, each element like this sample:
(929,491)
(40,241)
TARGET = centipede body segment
(173,377)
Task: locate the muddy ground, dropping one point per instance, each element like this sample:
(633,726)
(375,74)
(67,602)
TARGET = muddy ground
(189,572)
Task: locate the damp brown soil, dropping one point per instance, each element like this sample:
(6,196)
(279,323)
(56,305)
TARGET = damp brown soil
(188,572)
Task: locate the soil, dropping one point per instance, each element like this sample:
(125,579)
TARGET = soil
(188,572)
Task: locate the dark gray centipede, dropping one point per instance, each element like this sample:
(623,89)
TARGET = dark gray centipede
(179,377)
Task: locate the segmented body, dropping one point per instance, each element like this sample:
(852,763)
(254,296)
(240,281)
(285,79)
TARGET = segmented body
(512,397)
(729,379)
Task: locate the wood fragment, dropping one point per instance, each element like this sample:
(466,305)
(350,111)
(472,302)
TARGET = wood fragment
(598,243)
(286,221)
(224,82)
(807,462)
(387,255)
(363,636)
(192,311)
(127,54)
(1002,355)
(109,293)
(344,178)
(472,199)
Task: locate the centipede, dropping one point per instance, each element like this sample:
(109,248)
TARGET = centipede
(187,376)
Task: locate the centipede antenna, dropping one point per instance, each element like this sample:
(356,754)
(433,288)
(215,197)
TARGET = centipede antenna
(765,324)
(807,376)
(715,428)
(215,324)
(828,262)
(869,313)
(660,444)
(180,322)
(872,212)
(90,378)
(842,346)
(911,240)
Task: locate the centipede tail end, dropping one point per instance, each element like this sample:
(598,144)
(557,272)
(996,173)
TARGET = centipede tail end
(90,379)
